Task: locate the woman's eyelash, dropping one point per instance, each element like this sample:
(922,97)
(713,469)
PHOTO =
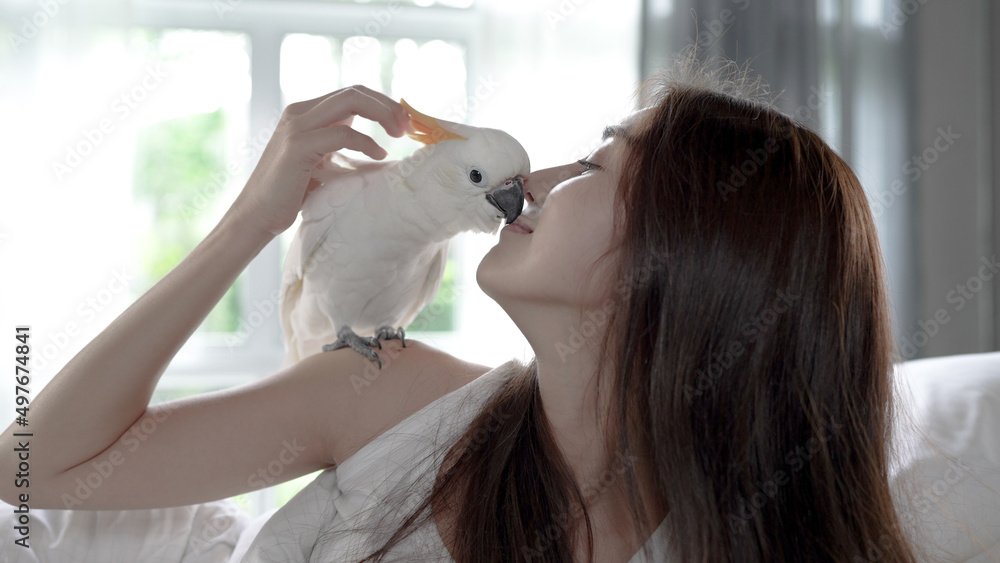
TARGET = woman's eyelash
(589,165)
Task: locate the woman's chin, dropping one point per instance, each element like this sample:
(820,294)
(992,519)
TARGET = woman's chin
(483,274)
(492,273)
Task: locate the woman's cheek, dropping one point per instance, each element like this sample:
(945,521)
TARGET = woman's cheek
(592,237)
(571,258)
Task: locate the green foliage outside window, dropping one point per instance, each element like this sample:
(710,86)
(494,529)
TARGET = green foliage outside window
(439,314)
(178,164)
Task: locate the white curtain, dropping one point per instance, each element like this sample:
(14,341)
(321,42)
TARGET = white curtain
(880,80)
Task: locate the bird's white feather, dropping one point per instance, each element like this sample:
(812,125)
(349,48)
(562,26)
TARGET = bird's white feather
(373,242)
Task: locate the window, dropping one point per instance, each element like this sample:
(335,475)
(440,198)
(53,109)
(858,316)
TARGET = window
(138,122)
(185,155)
(427,70)
(862,105)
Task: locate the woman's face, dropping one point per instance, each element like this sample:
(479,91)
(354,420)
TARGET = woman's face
(569,210)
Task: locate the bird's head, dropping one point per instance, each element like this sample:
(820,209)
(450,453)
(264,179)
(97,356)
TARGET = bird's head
(474,174)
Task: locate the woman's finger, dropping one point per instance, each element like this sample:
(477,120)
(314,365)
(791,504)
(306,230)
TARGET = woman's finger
(400,112)
(348,122)
(326,140)
(356,100)
(300,107)
(303,106)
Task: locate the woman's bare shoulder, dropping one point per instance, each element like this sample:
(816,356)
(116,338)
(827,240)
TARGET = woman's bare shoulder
(410,379)
(456,370)
(429,367)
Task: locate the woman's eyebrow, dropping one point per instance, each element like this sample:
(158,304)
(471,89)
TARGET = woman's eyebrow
(611,131)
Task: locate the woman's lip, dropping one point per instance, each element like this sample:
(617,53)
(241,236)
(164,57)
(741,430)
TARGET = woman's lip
(517,229)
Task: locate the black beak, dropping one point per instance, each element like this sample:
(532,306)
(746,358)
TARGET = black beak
(508,198)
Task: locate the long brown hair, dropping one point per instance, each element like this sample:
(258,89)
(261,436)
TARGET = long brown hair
(748,356)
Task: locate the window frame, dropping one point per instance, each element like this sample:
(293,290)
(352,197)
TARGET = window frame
(206,361)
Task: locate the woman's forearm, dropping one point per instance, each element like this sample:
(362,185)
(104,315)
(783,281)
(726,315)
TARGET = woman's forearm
(107,386)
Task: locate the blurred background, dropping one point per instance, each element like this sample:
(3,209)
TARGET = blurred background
(129,126)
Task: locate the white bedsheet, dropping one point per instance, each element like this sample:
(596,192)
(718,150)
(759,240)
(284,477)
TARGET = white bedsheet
(955,399)
(202,533)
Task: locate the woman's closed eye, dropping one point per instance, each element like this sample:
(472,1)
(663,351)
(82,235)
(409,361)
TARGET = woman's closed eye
(588,166)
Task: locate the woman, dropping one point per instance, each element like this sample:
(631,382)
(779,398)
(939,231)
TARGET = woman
(705,298)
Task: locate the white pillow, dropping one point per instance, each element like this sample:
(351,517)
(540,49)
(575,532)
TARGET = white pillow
(955,401)
(199,533)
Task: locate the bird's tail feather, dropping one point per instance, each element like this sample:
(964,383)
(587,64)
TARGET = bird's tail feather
(290,294)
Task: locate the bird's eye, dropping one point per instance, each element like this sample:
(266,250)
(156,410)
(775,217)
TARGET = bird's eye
(475,175)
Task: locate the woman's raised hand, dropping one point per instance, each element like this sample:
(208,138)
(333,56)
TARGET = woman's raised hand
(306,132)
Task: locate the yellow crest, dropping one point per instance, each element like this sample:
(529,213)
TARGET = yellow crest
(428,130)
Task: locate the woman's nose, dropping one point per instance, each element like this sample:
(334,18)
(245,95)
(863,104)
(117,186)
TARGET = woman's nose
(539,183)
(535,188)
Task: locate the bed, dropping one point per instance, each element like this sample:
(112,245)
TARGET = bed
(951,507)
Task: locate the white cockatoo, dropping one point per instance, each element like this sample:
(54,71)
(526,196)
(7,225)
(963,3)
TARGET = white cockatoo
(370,252)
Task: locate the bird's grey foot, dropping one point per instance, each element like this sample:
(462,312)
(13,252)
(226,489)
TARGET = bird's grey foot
(360,344)
(388,333)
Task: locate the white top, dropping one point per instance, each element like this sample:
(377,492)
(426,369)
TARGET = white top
(313,525)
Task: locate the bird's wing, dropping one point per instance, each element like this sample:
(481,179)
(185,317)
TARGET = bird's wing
(435,273)
(288,297)
(341,180)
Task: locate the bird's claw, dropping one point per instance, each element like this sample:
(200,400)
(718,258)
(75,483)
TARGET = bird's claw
(386,332)
(347,337)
